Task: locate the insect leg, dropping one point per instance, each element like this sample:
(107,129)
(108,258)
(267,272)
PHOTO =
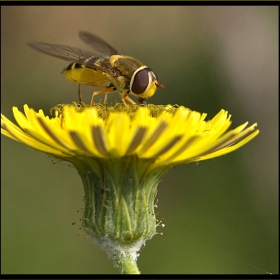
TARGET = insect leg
(105,98)
(142,101)
(105,90)
(79,93)
(125,96)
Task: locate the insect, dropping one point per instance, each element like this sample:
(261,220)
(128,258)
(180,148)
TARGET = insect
(107,69)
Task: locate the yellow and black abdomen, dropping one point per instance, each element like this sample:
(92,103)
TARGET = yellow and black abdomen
(83,75)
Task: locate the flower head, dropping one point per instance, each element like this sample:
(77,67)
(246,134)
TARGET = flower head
(121,154)
(165,135)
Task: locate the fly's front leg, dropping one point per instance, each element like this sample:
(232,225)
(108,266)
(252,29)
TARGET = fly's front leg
(142,101)
(105,90)
(125,96)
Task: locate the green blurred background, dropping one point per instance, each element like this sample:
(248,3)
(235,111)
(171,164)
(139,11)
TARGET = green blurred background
(221,215)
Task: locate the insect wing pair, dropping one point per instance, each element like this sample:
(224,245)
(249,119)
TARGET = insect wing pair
(107,69)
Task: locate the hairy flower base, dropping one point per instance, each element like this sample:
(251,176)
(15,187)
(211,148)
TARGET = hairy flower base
(121,153)
(123,195)
(119,205)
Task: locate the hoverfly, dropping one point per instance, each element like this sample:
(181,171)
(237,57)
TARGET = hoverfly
(107,69)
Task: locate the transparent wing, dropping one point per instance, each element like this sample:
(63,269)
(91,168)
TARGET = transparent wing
(97,43)
(86,58)
(64,52)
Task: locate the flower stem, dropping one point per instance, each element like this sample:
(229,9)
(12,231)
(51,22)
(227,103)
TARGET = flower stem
(125,262)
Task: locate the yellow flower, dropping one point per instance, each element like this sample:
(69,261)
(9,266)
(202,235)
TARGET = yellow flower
(164,134)
(121,154)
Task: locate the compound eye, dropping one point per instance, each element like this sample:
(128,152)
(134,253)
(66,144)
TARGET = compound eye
(140,82)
